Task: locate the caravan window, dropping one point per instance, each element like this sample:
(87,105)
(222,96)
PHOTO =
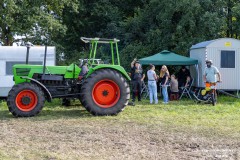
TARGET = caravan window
(9,65)
(227,59)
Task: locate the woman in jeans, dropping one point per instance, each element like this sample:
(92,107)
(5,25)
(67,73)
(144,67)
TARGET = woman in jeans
(164,75)
(152,85)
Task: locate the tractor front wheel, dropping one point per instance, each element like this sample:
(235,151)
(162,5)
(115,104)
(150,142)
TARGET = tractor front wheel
(105,92)
(25,100)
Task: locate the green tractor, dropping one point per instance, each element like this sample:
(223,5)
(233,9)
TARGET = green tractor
(104,90)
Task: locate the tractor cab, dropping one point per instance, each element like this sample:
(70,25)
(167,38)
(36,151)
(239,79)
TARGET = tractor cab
(94,42)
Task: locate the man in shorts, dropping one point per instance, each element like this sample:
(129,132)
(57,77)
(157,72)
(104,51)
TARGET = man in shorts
(210,73)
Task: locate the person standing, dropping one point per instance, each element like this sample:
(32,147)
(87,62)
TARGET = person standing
(164,75)
(182,75)
(137,77)
(210,73)
(152,85)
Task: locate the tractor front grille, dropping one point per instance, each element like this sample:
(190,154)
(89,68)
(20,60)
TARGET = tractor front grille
(22,71)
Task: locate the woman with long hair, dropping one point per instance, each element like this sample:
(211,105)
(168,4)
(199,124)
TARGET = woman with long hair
(152,85)
(164,75)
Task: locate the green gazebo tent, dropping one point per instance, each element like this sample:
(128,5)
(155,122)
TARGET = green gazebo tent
(168,58)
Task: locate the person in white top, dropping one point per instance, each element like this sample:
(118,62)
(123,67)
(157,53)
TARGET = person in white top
(152,84)
(209,77)
(210,73)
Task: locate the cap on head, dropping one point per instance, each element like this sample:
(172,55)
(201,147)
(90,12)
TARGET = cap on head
(209,61)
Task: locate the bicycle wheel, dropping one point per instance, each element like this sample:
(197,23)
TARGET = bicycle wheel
(214,101)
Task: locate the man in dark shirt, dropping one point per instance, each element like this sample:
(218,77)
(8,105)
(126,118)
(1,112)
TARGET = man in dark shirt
(137,77)
(182,76)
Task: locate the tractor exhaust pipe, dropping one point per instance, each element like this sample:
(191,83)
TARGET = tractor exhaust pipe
(44,62)
(28,45)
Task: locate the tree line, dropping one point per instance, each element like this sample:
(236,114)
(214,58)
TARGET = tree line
(145,27)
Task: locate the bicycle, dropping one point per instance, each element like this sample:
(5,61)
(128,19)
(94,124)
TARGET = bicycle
(144,91)
(207,95)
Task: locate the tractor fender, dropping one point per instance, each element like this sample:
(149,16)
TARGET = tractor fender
(118,68)
(46,91)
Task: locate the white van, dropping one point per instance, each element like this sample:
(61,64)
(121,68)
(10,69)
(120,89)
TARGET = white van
(10,55)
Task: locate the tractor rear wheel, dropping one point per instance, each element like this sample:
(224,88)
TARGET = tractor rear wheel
(25,100)
(105,92)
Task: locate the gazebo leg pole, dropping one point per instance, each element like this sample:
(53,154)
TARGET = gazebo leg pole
(197,71)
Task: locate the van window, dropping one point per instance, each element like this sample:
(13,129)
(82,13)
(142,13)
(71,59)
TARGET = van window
(9,65)
(227,59)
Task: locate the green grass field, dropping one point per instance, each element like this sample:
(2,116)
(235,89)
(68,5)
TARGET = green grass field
(178,130)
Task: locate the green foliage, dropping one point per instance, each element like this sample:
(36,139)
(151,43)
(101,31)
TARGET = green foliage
(95,19)
(32,19)
(172,25)
(144,27)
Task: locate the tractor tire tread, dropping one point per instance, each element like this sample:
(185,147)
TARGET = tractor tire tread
(87,87)
(12,98)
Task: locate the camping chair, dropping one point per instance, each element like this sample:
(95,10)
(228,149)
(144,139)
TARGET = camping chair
(144,91)
(186,90)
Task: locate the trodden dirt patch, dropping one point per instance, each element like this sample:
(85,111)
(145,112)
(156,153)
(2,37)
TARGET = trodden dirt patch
(76,139)
(141,132)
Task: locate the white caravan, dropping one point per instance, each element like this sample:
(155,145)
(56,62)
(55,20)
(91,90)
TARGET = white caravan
(10,55)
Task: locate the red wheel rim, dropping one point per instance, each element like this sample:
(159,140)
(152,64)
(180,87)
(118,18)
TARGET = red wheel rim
(26,100)
(106,93)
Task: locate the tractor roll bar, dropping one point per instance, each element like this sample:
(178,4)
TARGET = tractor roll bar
(99,40)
